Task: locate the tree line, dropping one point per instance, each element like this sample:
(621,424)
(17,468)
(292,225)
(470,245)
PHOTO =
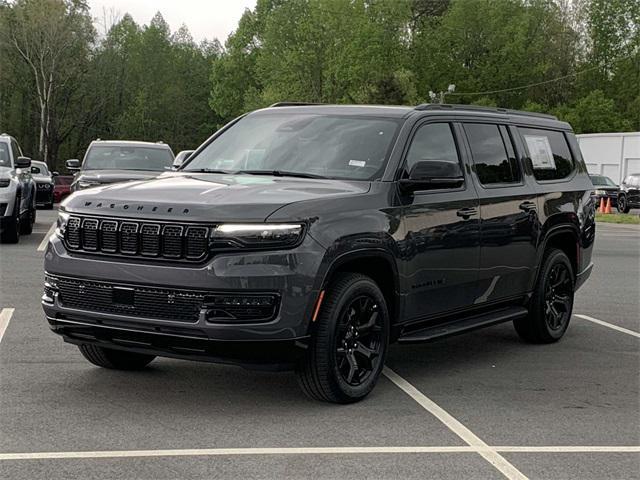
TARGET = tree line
(63,83)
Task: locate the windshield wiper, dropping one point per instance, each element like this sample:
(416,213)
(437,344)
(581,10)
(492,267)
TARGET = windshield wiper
(205,170)
(279,173)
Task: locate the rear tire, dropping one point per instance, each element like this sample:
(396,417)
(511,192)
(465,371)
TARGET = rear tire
(552,301)
(348,347)
(115,359)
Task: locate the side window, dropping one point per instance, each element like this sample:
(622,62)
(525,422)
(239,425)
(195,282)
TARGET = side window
(433,141)
(5,158)
(494,163)
(15,150)
(549,153)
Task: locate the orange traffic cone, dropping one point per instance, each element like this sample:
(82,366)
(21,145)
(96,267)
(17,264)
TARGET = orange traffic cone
(607,208)
(601,209)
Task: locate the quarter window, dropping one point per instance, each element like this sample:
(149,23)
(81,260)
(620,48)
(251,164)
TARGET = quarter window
(493,162)
(433,141)
(549,153)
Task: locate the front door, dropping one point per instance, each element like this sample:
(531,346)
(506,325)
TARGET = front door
(508,211)
(440,249)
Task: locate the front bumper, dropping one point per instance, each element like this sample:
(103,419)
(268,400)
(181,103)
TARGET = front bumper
(290,274)
(257,355)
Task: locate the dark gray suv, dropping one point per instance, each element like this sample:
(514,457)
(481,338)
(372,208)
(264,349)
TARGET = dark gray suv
(308,237)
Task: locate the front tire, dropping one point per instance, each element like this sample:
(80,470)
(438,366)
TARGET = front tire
(348,347)
(115,359)
(26,225)
(12,228)
(552,301)
(623,207)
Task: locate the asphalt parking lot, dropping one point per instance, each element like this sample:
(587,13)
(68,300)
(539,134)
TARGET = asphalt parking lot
(480,406)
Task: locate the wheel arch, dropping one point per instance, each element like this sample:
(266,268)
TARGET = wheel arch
(379,265)
(564,237)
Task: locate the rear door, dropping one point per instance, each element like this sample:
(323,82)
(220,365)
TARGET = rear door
(440,249)
(509,221)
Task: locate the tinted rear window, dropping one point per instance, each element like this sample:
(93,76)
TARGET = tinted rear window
(549,153)
(494,165)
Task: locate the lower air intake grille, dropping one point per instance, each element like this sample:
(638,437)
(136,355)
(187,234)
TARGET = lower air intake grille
(145,302)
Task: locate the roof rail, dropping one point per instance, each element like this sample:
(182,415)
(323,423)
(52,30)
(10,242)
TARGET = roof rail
(293,104)
(479,108)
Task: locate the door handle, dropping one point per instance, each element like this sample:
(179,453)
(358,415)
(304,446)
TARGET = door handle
(527,206)
(467,212)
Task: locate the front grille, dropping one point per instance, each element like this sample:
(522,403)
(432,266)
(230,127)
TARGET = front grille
(124,237)
(178,305)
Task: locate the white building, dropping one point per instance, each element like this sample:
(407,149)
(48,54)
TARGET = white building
(614,155)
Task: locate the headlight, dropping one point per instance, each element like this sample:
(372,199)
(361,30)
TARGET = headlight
(4,182)
(257,235)
(61,224)
(87,183)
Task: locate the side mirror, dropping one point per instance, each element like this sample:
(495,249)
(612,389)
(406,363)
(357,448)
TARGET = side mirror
(23,162)
(433,174)
(55,174)
(177,162)
(73,164)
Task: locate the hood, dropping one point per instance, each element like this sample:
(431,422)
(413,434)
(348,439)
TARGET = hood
(207,197)
(112,176)
(42,178)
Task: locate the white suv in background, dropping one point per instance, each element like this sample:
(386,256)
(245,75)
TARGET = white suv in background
(17,192)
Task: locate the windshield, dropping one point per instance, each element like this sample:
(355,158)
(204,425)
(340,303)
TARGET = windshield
(5,160)
(332,146)
(110,157)
(602,180)
(38,168)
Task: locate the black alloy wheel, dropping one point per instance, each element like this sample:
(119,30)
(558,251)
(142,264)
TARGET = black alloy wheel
(359,340)
(348,343)
(558,297)
(551,305)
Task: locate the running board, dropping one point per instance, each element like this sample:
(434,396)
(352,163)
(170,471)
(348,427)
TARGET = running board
(460,326)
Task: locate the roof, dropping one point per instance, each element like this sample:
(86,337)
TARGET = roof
(515,116)
(137,143)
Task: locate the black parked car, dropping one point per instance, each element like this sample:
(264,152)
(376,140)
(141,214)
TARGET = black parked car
(629,193)
(310,237)
(112,161)
(604,188)
(44,183)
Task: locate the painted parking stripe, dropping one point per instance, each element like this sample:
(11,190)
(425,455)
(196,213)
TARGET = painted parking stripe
(45,240)
(489,454)
(209,452)
(234,451)
(570,449)
(5,317)
(608,325)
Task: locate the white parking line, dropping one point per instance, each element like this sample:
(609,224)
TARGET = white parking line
(489,454)
(209,452)
(5,317)
(609,325)
(45,240)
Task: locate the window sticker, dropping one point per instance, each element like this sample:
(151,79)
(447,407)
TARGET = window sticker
(357,163)
(540,152)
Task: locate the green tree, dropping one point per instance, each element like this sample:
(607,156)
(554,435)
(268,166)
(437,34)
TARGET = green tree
(593,113)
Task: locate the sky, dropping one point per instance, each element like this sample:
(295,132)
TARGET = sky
(206,19)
